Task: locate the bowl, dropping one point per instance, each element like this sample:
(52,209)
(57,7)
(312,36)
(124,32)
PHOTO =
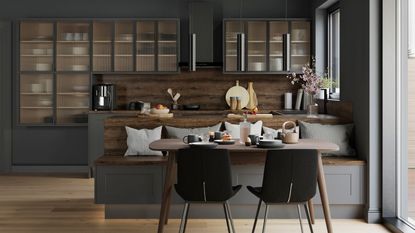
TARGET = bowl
(79,67)
(80,88)
(43,67)
(38,51)
(79,51)
(159,111)
(45,102)
(256,66)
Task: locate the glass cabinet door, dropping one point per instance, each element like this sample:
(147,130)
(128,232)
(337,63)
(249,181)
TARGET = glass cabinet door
(124,41)
(232,29)
(276,31)
(102,46)
(257,46)
(72,91)
(167,45)
(36,46)
(72,46)
(300,44)
(146,41)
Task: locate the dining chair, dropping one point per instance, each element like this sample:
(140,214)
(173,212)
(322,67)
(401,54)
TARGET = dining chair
(204,176)
(290,177)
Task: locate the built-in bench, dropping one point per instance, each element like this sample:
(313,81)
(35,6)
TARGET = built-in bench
(131,187)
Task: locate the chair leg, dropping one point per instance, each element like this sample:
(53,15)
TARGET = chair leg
(256,216)
(185,214)
(227,218)
(299,218)
(265,218)
(307,212)
(230,216)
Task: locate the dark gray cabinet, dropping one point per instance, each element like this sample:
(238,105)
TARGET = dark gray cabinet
(268,45)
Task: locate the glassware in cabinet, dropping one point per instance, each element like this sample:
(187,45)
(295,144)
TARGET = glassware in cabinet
(73,98)
(36,46)
(167,45)
(146,40)
(232,29)
(257,46)
(124,44)
(36,98)
(72,46)
(300,44)
(277,29)
(102,46)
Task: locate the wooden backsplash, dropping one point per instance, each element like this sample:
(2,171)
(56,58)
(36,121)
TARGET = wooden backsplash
(206,87)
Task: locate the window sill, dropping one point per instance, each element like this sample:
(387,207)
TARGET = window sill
(397,226)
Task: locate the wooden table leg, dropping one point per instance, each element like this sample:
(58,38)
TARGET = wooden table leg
(311,209)
(168,185)
(323,194)
(172,181)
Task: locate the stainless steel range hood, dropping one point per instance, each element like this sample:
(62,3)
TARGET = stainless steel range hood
(201,36)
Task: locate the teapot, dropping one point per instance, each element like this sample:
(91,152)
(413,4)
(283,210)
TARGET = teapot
(290,136)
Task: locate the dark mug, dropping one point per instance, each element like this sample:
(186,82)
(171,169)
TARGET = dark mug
(218,135)
(192,138)
(254,139)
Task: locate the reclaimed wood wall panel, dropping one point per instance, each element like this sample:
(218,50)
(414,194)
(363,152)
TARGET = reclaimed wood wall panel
(206,87)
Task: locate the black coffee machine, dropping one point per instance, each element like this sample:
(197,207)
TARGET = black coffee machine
(104,97)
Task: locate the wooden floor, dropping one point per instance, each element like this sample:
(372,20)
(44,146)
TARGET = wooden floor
(65,204)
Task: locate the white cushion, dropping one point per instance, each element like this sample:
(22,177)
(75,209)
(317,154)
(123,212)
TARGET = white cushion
(174,132)
(275,132)
(138,141)
(338,134)
(235,130)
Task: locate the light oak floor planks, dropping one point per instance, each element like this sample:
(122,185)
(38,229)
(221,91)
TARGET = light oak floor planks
(62,204)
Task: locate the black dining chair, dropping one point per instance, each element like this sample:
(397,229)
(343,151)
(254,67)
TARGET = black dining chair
(290,177)
(204,176)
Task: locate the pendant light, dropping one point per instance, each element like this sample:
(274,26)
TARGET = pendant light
(241,41)
(286,39)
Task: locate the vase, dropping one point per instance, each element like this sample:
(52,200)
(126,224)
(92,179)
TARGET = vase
(253,101)
(312,107)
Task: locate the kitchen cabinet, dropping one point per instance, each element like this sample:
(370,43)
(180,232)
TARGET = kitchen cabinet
(54,72)
(136,46)
(266,48)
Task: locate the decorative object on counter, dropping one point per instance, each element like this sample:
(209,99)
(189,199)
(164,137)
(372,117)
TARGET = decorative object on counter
(238,103)
(290,136)
(174,98)
(233,103)
(288,100)
(253,101)
(104,97)
(160,111)
(311,82)
(237,91)
(298,99)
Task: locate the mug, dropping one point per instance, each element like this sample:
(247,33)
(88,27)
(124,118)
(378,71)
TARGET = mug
(254,139)
(192,138)
(218,135)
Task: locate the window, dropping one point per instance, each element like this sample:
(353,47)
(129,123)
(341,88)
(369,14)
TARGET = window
(411,29)
(334,52)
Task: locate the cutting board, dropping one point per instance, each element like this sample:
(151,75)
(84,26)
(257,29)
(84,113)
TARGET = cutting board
(250,116)
(237,91)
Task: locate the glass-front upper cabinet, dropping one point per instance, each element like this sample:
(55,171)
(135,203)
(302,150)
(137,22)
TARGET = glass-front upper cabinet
(72,46)
(257,46)
(270,45)
(124,46)
(277,29)
(232,29)
(102,46)
(146,46)
(300,44)
(168,52)
(36,72)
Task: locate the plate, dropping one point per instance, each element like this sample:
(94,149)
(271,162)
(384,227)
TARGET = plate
(226,142)
(159,111)
(277,145)
(206,145)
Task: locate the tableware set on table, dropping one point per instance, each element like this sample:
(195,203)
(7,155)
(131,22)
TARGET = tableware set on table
(212,139)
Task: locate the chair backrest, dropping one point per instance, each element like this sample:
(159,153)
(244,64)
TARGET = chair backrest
(204,175)
(289,176)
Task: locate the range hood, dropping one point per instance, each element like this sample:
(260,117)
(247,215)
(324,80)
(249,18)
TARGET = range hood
(201,50)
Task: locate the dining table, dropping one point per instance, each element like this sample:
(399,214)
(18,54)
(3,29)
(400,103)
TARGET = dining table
(173,145)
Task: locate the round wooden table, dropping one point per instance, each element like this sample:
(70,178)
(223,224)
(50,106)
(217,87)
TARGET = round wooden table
(173,145)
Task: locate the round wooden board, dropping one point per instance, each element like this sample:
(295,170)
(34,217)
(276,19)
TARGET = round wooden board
(237,91)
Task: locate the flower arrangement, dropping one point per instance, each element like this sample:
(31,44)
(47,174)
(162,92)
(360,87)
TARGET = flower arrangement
(310,81)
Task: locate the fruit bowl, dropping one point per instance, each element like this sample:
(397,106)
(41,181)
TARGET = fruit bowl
(159,111)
